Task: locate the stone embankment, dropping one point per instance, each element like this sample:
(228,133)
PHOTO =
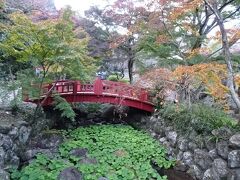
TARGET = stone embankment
(16,131)
(213,157)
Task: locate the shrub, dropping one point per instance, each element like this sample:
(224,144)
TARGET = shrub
(113,78)
(199,117)
(64,107)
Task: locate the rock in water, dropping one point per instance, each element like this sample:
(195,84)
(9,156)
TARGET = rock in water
(79,152)
(70,173)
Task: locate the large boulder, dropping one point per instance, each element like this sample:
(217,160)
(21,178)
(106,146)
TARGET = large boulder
(234,159)
(14,133)
(158,129)
(208,175)
(6,122)
(187,158)
(220,168)
(171,136)
(26,110)
(182,144)
(236,174)
(11,159)
(213,154)
(79,152)
(223,149)
(202,158)
(47,140)
(24,133)
(195,171)
(235,141)
(5,127)
(192,146)
(70,173)
(6,142)
(29,154)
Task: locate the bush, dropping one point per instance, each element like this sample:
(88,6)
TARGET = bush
(64,107)
(116,79)
(201,118)
(113,78)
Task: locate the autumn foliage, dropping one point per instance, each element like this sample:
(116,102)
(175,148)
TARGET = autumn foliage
(209,77)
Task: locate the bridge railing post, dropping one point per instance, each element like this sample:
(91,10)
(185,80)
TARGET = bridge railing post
(98,86)
(75,87)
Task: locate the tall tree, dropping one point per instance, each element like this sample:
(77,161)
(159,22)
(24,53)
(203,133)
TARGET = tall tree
(213,6)
(125,16)
(52,45)
(185,25)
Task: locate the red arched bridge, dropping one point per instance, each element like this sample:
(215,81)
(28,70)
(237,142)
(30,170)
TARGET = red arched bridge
(101,91)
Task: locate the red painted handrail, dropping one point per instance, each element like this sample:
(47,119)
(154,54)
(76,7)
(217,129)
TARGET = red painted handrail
(99,88)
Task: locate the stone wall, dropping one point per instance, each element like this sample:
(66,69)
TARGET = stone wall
(212,157)
(16,129)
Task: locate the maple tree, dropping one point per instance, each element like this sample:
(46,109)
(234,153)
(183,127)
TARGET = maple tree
(202,78)
(184,27)
(126,16)
(162,88)
(187,83)
(54,46)
(102,31)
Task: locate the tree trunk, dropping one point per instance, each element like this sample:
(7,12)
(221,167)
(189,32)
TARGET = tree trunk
(227,54)
(131,56)
(130,69)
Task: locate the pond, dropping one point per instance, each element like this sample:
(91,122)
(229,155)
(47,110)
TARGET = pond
(100,151)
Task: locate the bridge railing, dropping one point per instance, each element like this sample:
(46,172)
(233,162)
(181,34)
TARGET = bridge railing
(125,90)
(99,87)
(59,87)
